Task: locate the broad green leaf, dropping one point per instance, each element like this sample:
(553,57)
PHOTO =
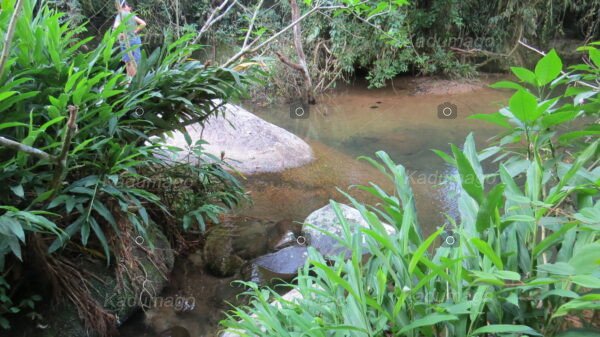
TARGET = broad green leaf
(6,94)
(585,302)
(548,68)
(523,106)
(558,268)
(488,208)
(495,118)
(558,118)
(524,74)
(552,239)
(559,292)
(421,250)
(469,180)
(18,190)
(104,212)
(570,136)
(486,250)
(586,259)
(429,320)
(506,329)
(507,85)
(587,281)
(14,226)
(445,157)
(595,56)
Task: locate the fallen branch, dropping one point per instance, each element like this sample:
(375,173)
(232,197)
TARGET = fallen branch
(61,160)
(491,55)
(11,144)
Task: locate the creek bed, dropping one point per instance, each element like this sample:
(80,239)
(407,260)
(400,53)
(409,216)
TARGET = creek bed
(352,121)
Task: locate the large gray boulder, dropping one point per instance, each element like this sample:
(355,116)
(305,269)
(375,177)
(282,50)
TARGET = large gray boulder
(325,219)
(250,144)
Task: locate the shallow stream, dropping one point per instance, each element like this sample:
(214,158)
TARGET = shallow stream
(352,121)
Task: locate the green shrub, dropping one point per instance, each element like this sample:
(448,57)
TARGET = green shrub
(528,252)
(79,133)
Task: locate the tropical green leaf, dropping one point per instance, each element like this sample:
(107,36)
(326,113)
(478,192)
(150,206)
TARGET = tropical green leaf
(548,68)
(469,179)
(523,106)
(506,329)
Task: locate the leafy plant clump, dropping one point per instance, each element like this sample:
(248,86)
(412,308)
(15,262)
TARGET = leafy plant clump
(526,261)
(79,149)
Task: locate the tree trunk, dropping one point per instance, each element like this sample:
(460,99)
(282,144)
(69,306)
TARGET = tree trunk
(301,66)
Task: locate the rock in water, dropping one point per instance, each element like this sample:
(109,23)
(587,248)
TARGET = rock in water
(237,239)
(175,331)
(283,264)
(326,219)
(249,143)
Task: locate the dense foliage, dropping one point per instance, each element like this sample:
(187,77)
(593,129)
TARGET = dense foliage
(527,256)
(380,39)
(86,172)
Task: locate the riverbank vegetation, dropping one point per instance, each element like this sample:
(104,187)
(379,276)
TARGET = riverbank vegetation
(88,189)
(376,39)
(83,176)
(524,256)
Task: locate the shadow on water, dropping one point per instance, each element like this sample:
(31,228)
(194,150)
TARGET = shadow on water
(351,122)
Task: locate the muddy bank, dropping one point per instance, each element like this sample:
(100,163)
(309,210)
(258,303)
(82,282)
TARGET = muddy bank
(433,86)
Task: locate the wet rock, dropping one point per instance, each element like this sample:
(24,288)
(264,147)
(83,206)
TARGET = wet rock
(326,219)
(250,144)
(168,320)
(175,331)
(282,264)
(196,259)
(229,244)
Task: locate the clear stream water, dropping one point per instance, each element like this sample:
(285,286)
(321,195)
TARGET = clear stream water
(350,122)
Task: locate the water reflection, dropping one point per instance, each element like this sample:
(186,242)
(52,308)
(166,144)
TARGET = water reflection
(357,122)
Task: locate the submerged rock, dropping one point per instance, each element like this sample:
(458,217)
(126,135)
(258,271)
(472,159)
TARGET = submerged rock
(282,264)
(175,331)
(326,219)
(249,144)
(229,244)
